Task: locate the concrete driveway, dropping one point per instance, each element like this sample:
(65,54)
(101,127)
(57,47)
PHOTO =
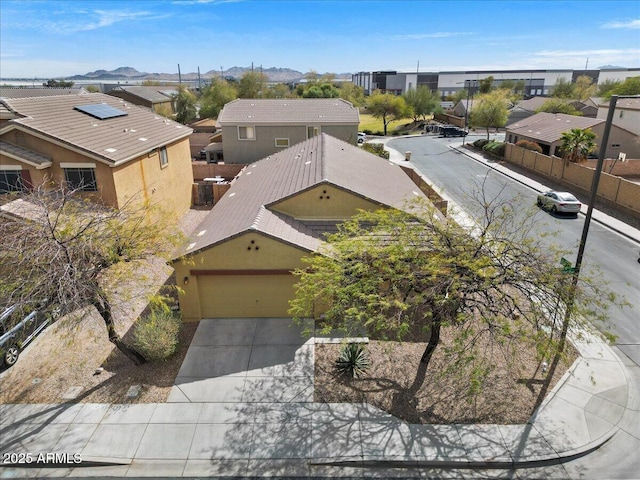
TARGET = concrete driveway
(248,360)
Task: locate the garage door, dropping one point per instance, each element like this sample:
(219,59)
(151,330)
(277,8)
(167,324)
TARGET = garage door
(245,295)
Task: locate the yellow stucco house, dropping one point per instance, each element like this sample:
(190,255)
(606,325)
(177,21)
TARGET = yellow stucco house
(113,151)
(239,260)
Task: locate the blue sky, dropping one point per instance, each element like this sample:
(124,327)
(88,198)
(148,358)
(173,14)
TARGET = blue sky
(53,38)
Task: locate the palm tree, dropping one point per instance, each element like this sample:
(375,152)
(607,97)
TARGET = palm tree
(577,143)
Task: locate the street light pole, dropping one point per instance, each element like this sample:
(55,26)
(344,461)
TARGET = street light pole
(585,231)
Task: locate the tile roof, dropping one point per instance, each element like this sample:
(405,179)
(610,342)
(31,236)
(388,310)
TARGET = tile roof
(627,103)
(320,160)
(112,141)
(32,158)
(312,111)
(32,92)
(151,94)
(548,127)
(533,103)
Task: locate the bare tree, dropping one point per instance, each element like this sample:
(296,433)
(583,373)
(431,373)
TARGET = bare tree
(71,252)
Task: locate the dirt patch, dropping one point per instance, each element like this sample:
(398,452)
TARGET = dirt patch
(507,396)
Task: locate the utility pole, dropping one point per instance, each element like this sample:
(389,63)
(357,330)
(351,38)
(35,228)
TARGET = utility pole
(179,75)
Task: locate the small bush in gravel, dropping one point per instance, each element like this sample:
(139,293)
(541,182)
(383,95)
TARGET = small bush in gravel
(481,142)
(353,360)
(497,148)
(156,335)
(376,149)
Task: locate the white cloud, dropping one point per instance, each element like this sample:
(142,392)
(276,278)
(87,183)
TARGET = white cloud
(629,25)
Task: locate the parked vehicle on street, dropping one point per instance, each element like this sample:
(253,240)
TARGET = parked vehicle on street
(559,202)
(18,327)
(452,131)
(362,137)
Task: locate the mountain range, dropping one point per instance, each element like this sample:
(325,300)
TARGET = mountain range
(274,74)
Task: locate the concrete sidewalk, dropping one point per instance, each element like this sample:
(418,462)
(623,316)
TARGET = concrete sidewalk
(275,429)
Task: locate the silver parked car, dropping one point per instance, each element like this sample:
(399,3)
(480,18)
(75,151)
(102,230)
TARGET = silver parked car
(18,327)
(559,202)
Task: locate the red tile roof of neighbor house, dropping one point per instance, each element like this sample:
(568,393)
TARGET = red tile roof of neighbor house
(321,160)
(311,111)
(548,127)
(112,140)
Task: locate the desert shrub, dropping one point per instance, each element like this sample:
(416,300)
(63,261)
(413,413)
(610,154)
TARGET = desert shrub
(496,148)
(529,145)
(156,335)
(480,143)
(376,149)
(353,360)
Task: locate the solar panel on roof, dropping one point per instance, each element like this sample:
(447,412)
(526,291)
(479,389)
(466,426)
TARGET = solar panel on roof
(101,111)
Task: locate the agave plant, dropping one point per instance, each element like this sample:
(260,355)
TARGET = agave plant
(353,360)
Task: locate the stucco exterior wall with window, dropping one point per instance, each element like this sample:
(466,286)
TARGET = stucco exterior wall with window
(264,144)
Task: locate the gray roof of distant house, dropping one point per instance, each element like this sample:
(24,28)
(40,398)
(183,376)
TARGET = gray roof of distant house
(548,127)
(151,94)
(25,155)
(309,111)
(32,92)
(112,141)
(321,160)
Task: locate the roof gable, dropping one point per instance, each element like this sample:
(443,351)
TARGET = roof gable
(308,111)
(251,202)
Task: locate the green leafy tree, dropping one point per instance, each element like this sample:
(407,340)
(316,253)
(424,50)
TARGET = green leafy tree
(563,88)
(584,88)
(185,102)
(486,84)
(606,87)
(387,107)
(76,255)
(490,110)
(252,85)
(58,83)
(577,143)
(631,86)
(392,274)
(216,96)
(321,90)
(352,93)
(422,101)
(92,89)
(458,96)
(558,105)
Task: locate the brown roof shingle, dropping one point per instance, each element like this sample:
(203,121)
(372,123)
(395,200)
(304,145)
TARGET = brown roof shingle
(548,127)
(320,160)
(112,141)
(312,111)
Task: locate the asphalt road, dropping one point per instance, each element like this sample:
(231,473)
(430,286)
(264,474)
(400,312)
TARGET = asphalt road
(613,255)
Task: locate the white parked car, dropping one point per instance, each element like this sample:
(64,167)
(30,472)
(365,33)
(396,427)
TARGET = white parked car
(362,137)
(559,202)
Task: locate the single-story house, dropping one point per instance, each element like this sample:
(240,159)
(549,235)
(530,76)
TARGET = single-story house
(255,128)
(239,260)
(546,130)
(114,151)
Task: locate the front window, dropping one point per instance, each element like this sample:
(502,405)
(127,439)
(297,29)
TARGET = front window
(312,131)
(83,179)
(11,181)
(246,133)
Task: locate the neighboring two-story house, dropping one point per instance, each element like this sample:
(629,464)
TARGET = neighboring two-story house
(546,130)
(239,259)
(626,115)
(255,128)
(114,151)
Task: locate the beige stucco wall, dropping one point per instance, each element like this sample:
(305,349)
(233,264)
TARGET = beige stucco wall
(141,178)
(238,253)
(324,202)
(144,179)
